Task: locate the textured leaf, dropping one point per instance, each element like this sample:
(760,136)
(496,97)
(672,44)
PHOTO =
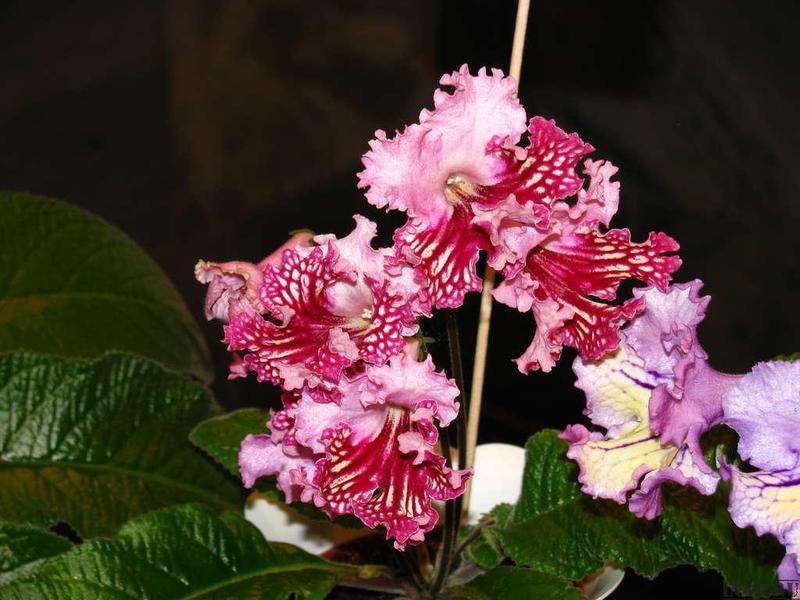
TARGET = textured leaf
(788,357)
(514,583)
(486,550)
(180,552)
(556,529)
(220,437)
(23,548)
(95,442)
(73,285)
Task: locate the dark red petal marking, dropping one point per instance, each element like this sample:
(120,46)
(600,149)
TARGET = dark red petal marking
(372,479)
(272,345)
(447,253)
(298,282)
(544,171)
(576,268)
(383,336)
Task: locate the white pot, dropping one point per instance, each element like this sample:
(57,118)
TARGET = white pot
(498,478)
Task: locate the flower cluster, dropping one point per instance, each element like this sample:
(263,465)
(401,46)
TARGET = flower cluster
(330,320)
(466,184)
(656,395)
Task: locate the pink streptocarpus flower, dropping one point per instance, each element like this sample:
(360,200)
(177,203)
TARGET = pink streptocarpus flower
(460,162)
(371,454)
(318,310)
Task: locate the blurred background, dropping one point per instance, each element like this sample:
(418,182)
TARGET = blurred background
(211,129)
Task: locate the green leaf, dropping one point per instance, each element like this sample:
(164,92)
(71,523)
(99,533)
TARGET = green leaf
(75,286)
(557,529)
(24,547)
(514,583)
(181,552)
(486,550)
(95,442)
(220,437)
(788,357)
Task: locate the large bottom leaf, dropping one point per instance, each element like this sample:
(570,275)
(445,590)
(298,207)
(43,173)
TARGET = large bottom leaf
(96,442)
(180,552)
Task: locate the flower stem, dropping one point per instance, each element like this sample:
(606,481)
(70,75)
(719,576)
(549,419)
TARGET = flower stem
(411,564)
(471,537)
(453,508)
(456,366)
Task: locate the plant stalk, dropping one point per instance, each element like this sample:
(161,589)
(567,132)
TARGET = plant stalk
(453,508)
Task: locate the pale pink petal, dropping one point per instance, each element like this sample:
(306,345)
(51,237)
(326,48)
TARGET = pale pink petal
(260,456)
(410,171)
(406,382)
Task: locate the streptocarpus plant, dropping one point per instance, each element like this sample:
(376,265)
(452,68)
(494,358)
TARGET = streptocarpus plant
(103,379)
(335,323)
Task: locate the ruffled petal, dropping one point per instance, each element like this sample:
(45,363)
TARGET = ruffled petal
(764,409)
(544,350)
(292,355)
(645,502)
(232,288)
(367,450)
(665,335)
(610,468)
(542,172)
(410,171)
(260,456)
(408,383)
(683,419)
(327,313)
(514,229)
(599,201)
(389,319)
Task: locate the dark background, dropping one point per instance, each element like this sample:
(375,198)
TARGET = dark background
(211,129)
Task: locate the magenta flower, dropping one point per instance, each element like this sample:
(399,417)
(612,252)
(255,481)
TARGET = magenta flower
(764,409)
(460,161)
(655,396)
(325,308)
(371,454)
(571,275)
